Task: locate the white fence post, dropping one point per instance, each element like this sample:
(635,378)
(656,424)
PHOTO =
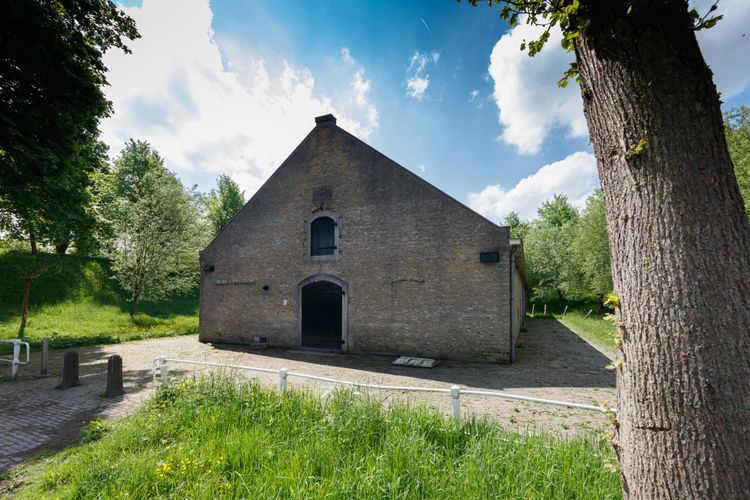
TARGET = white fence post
(162,369)
(282,380)
(16,356)
(455,397)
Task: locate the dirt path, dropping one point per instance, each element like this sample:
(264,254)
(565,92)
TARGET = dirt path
(553,363)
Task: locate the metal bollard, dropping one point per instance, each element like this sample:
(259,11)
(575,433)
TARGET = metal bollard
(455,397)
(16,356)
(282,380)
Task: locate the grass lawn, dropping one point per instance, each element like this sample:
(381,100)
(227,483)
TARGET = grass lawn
(213,438)
(593,329)
(79,304)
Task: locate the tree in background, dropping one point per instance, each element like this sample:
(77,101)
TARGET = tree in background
(737,130)
(567,251)
(223,203)
(552,273)
(518,228)
(589,249)
(558,211)
(679,237)
(51,101)
(30,271)
(157,233)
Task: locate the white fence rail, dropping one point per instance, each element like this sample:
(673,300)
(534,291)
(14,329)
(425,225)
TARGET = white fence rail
(17,343)
(455,391)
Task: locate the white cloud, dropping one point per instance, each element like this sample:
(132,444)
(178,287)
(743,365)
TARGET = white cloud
(418,79)
(574,176)
(530,102)
(422,168)
(211,108)
(417,86)
(361,92)
(531,105)
(473,95)
(346,56)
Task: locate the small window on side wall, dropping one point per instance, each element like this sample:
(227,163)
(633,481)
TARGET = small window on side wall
(322,236)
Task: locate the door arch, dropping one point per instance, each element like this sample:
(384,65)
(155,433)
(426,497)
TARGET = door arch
(322,313)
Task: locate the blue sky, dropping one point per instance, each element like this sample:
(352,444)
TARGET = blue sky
(440,87)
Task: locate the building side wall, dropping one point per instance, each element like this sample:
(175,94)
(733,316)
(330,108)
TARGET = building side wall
(518,304)
(409,254)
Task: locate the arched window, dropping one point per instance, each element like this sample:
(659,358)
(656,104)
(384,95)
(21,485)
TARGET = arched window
(322,236)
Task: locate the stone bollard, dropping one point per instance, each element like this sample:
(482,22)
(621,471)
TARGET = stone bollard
(70,370)
(45,349)
(114,377)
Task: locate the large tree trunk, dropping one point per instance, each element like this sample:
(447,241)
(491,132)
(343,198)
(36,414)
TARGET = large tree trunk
(680,252)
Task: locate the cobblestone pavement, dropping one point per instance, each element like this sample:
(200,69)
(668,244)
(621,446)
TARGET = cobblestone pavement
(553,363)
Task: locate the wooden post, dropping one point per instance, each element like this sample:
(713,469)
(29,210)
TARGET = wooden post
(533,306)
(114,377)
(70,370)
(565,311)
(545,310)
(588,313)
(45,349)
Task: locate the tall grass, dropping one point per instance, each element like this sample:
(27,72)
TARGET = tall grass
(213,438)
(78,303)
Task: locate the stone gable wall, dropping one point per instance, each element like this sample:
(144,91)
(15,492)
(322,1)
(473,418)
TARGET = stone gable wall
(409,254)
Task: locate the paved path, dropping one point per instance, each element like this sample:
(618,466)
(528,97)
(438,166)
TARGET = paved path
(553,363)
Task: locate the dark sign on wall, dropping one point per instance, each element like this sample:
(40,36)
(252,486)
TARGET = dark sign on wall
(489,257)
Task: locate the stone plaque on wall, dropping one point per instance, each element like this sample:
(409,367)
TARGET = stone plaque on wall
(322,198)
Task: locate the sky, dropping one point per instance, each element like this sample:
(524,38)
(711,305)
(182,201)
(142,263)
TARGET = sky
(230,86)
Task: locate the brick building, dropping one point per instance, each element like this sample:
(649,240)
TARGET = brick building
(344,249)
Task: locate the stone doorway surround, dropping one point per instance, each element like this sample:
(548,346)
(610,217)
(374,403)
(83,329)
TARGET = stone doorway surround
(344,308)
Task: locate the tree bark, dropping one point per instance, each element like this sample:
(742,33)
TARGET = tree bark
(25,304)
(32,242)
(133,305)
(680,245)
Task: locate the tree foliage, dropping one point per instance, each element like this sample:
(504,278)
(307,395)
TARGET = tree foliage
(572,19)
(518,227)
(737,130)
(590,247)
(157,233)
(223,203)
(547,250)
(567,252)
(51,101)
